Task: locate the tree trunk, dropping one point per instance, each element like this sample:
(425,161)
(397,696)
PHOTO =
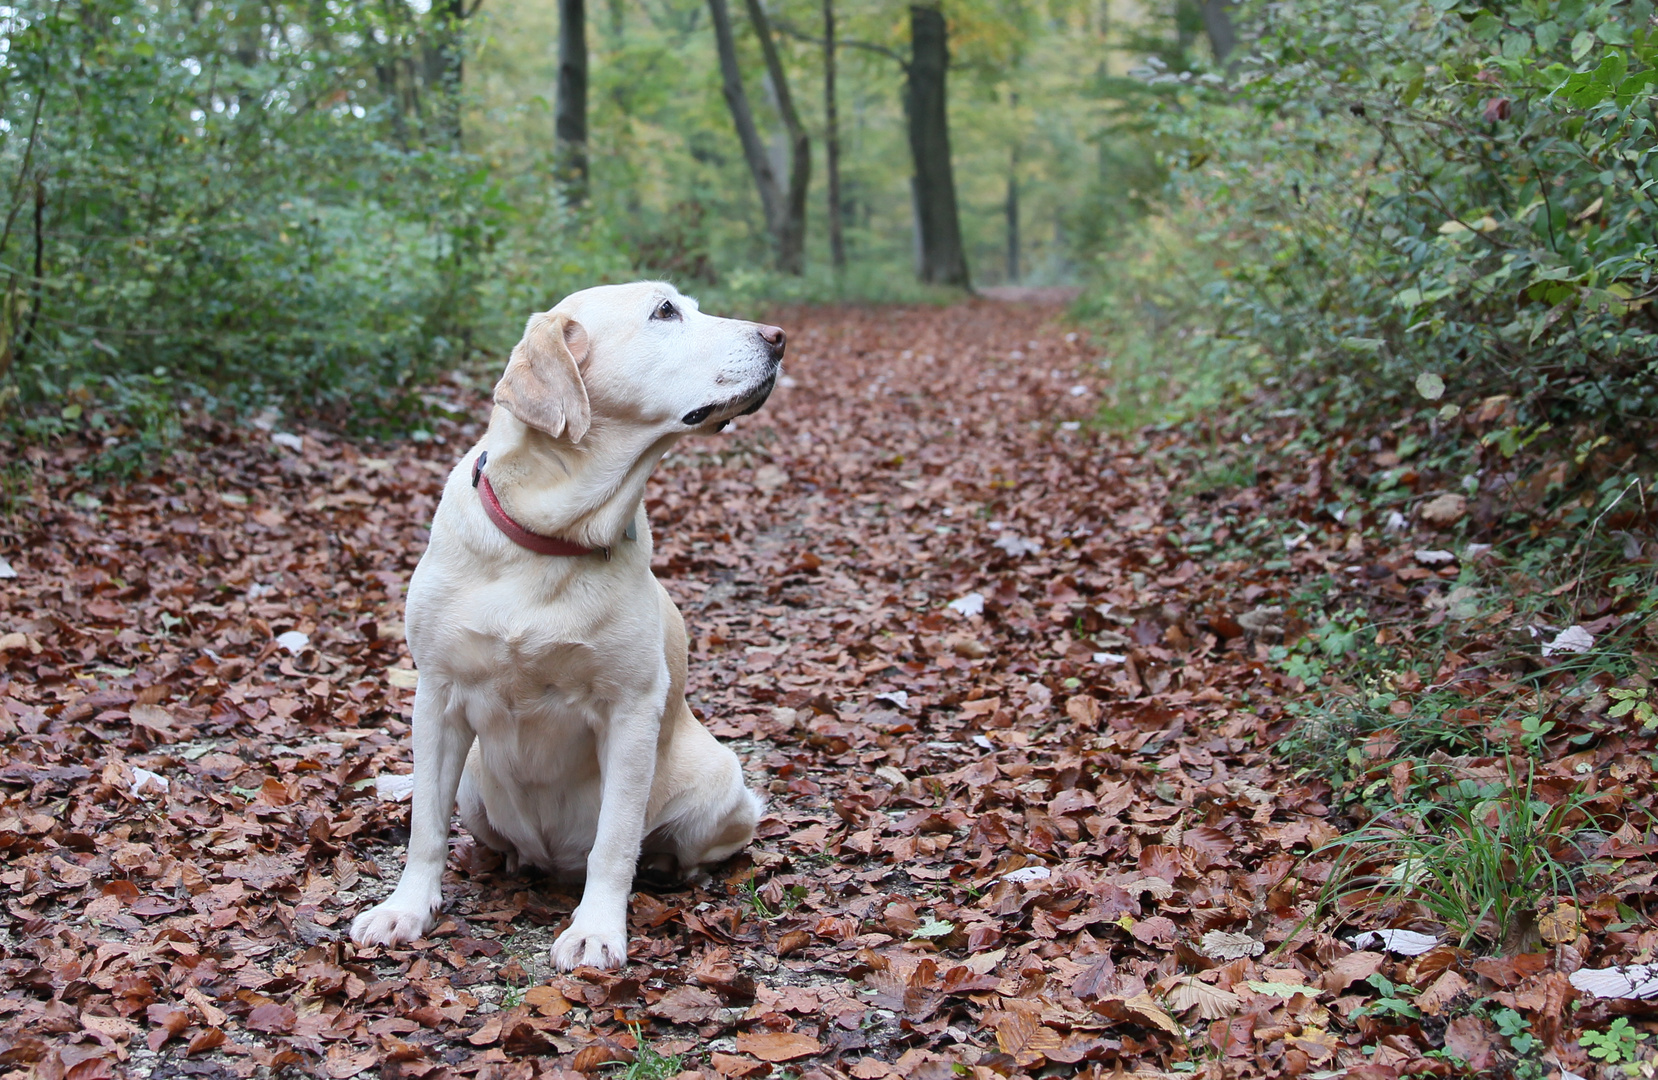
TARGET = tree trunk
(1217,23)
(790,231)
(1012,211)
(943,260)
(785,214)
(447,68)
(570,119)
(832,140)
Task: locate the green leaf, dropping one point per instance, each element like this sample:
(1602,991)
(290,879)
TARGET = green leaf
(1611,68)
(934,928)
(1430,386)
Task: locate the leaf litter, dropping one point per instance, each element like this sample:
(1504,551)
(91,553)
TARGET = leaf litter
(1016,740)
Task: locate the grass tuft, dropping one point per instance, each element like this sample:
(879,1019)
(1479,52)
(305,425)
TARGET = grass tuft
(1478,866)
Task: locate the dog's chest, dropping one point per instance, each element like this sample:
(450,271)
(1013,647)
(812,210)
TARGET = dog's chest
(524,675)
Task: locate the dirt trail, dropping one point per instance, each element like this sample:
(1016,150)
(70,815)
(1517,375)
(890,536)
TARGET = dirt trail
(1019,815)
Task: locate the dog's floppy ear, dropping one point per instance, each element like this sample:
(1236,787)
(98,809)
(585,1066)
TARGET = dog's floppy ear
(542,385)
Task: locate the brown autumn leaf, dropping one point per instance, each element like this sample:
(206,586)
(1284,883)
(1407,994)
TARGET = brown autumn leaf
(1440,994)
(546,1000)
(1097,981)
(792,942)
(777,1046)
(589,1058)
(168,1023)
(272,1018)
(203,1041)
(687,1005)
(717,972)
(1474,1040)
(734,1066)
(488,1032)
(1023,1038)
(1344,971)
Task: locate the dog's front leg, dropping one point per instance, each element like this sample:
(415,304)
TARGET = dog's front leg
(442,738)
(597,934)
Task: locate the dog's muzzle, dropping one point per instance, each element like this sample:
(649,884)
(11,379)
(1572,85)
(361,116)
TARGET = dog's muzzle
(760,395)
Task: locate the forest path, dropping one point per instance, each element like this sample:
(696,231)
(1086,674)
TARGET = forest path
(950,629)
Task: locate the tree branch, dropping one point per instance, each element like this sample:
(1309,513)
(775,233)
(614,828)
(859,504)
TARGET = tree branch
(801,35)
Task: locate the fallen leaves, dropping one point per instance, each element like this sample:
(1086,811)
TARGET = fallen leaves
(1012,727)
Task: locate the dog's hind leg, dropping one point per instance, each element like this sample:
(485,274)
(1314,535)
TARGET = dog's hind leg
(469,804)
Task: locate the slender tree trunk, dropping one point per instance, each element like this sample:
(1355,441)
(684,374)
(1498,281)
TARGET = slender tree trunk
(1217,23)
(742,117)
(570,118)
(449,60)
(1011,209)
(791,229)
(36,292)
(832,140)
(785,212)
(943,260)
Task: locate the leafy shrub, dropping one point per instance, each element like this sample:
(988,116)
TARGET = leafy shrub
(229,204)
(1403,200)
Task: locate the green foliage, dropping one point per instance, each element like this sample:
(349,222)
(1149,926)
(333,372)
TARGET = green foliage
(649,1063)
(1403,203)
(1394,1000)
(1478,858)
(771,900)
(207,204)
(1633,703)
(1514,1027)
(241,205)
(1617,1044)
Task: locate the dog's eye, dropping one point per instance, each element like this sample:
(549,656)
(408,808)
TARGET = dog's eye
(666,311)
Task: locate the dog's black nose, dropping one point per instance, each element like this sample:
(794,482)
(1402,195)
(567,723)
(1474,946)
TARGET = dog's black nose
(775,339)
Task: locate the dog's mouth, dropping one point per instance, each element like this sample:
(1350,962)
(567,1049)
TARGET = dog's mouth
(745,404)
(760,394)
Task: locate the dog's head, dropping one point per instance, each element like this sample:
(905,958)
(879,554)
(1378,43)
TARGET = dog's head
(638,354)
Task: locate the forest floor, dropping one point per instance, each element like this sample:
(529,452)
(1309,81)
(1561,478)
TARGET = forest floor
(1016,737)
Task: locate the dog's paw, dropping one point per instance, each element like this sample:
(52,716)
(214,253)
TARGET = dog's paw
(390,924)
(588,944)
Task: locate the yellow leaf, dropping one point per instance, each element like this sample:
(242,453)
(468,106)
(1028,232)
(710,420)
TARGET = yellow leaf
(1560,926)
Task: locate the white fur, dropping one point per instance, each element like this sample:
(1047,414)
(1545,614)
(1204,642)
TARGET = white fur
(551,696)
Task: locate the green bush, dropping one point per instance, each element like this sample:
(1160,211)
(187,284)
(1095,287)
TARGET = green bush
(1396,200)
(223,205)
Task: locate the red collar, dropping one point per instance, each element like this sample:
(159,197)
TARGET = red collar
(524,538)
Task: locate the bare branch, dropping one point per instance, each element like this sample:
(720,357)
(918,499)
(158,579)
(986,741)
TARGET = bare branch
(841,43)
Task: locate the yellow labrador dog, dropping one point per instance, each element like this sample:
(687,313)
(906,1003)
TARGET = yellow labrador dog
(551,700)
